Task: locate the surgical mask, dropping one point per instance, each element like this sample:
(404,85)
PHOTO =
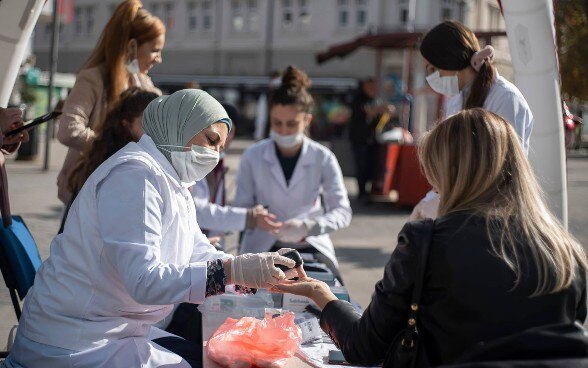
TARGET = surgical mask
(133,69)
(448,85)
(287,141)
(133,66)
(193,165)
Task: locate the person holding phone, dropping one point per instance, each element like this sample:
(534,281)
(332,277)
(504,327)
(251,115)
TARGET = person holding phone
(10,119)
(130,45)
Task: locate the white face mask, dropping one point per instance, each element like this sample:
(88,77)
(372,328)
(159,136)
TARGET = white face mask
(448,85)
(133,66)
(193,165)
(287,141)
(133,69)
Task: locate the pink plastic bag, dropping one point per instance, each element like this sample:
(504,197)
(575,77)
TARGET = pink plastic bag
(250,342)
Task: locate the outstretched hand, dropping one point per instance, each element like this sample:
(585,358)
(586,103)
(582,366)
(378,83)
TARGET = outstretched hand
(311,288)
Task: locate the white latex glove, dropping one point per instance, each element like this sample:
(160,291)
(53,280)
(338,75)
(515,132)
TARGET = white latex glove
(292,231)
(259,270)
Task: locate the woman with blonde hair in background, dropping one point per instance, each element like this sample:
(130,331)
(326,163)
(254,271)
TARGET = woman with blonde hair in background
(498,263)
(130,45)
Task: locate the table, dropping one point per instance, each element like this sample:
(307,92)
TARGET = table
(294,362)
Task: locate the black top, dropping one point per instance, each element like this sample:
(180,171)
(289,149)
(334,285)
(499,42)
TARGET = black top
(288,164)
(361,128)
(467,297)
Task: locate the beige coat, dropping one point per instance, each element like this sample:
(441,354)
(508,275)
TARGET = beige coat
(83,111)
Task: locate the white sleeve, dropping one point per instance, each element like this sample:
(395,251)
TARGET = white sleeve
(514,109)
(338,211)
(245,196)
(211,216)
(204,251)
(132,232)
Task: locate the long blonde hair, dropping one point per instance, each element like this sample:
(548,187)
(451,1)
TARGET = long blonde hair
(476,163)
(129,21)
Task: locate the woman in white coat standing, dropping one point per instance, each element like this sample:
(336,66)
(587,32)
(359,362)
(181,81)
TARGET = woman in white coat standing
(296,178)
(463,72)
(131,248)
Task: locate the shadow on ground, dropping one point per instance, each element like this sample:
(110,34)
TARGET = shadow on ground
(378,209)
(361,257)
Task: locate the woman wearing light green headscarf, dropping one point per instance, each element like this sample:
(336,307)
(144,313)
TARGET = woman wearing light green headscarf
(131,249)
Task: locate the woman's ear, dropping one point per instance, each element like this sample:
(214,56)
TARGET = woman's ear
(307,120)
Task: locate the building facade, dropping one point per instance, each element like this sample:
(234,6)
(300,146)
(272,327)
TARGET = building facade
(254,37)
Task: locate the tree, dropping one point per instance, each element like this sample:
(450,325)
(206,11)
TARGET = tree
(572,42)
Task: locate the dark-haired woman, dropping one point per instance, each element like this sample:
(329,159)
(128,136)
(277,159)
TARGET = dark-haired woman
(298,179)
(458,68)
(121,126)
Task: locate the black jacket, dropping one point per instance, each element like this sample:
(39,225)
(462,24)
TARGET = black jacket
(468,297)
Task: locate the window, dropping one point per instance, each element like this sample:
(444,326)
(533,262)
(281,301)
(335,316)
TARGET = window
(168,15)
(447,7)
(287,13)
(361,15)
(252,15)
(403,13)
(495,16)
(199,15)
(207,15)
(304,13)
(78,20)
(343,13)
(156,10)
(89,20)
(165,12)
(461,11)
(237,19)
(192,16)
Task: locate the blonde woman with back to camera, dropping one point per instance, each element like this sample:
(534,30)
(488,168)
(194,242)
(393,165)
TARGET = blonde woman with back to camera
(130,45)
(499,262)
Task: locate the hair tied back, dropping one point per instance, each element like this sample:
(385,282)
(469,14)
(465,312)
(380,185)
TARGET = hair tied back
(480,57)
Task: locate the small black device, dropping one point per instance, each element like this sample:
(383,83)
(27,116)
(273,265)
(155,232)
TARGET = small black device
(36,121)
(336,357)
(293,255)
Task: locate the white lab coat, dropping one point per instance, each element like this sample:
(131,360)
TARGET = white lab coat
(506,100)
(260,180)
(130,249)
(214,217)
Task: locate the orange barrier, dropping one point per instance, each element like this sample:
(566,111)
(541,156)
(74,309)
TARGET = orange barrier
(398,175)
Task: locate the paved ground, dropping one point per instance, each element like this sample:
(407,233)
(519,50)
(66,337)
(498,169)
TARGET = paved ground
(362,249)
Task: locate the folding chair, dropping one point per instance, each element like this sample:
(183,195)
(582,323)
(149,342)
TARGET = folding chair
(19,256)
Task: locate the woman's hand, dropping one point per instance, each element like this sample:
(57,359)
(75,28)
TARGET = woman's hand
(263,220)
(293,231)
(18,138)
(318,291)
